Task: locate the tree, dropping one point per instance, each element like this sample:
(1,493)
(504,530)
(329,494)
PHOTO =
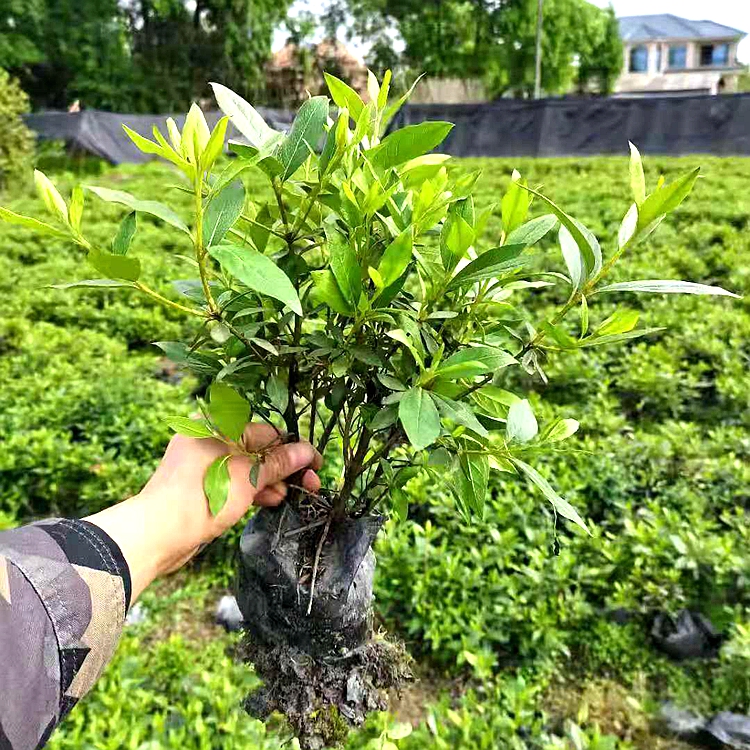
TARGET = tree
(600,50)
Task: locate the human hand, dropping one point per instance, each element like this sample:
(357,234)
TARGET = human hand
(163,526)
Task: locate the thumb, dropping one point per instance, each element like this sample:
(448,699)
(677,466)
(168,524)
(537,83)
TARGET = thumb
(286,460)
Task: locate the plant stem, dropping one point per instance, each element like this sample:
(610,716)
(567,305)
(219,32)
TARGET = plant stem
(200,250)
(168,302)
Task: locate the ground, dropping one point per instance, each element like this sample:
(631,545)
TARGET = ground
(522,629)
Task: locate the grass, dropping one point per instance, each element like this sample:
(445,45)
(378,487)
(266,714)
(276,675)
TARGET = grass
(512,639)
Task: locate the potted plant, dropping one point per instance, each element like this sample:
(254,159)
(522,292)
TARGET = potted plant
(359,306)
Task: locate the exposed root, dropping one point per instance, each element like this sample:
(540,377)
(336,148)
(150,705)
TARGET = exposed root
(323,698)
(322,541)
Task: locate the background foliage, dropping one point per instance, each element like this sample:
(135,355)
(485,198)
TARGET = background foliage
(16,142)
(511,638)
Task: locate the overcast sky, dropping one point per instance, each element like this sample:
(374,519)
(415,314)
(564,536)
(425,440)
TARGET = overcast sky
(734,13)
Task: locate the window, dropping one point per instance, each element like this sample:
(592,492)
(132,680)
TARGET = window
(658,58)
(720,55)
(707,55)
(639,59)
(677,56)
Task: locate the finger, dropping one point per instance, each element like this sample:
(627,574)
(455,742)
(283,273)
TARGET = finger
(286,460)
(311,481)
(258,436)
(272,495)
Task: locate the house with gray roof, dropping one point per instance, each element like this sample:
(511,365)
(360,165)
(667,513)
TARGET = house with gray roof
(669,55)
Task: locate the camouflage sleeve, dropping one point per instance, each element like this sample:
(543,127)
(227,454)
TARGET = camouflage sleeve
(64,593)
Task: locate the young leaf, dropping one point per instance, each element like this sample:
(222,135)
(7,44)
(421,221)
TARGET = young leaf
(407,143)
(456,237)
(488,265)
(515,204)
(307,130)
(473,478)
(344,265)
(562,429)
(147,207)
(616,338)
(637,178)
(628,226)
(243,116)
(344,96)
(228,410)
(474,360)
(665,199)
(257,272)
(125,234)
(393,109)
(663,286)
(222,213)
(215,144)
(75,212)
(419,417)
(115,266)
(195,428)
(49,194)
(328,292)
(620,321)
(26,221)
(522,424)
(216,484)
(531,232)
(561,506)
(396,257)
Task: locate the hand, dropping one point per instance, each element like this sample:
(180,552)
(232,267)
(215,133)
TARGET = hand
(164,525)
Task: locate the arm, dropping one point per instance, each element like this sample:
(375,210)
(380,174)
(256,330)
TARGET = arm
(66,585)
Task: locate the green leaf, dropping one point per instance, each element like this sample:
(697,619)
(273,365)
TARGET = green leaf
(616,338)
(228,410)
(344,96)
(667,286)
(560,430)
(561,506)
(216,484)
(522,425)
(222,213)
(515,204)
(473,477)
(115,266)
(419,417)
(400,503)
(572,257)
(384,418)
(327,291)
(474,360)
(26,221)
(583,237)
(408,143)
(488,265)
(396,257)
(531,232)
(620,321)
(257,272)
(278,393)
(344,265)
(50,195)
(100,283)
(456,238)
(147,207)
(307,130)
(75,212)
(125,234)
(666,199)
(215,144)
(393,109)
(195,428)
(459,413)
(628,226)
(243,116)
(637,178)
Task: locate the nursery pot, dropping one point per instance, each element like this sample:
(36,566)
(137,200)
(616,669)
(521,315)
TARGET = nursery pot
(276,577)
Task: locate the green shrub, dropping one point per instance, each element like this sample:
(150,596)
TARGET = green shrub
(16,140)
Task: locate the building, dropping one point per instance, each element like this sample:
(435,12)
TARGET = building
(297,69)
(668,55)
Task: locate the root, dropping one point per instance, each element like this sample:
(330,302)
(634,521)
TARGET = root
(322,541)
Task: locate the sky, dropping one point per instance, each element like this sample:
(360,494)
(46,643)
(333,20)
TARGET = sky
(734,13)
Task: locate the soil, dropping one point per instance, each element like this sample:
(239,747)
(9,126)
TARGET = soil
(305,591)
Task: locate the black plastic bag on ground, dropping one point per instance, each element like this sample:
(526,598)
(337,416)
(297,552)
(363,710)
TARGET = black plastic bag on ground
(690,636)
